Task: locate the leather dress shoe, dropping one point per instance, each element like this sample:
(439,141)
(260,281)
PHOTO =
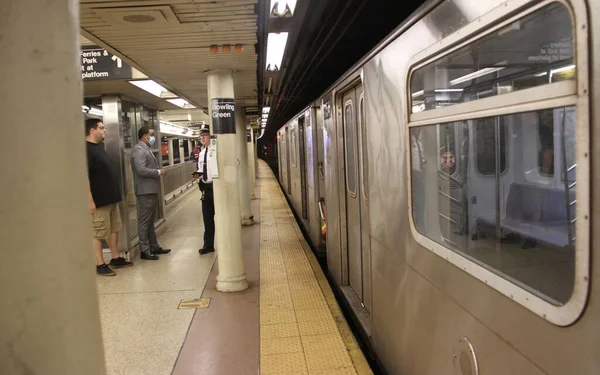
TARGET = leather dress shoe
(148,255)
(205,251)
(162,251)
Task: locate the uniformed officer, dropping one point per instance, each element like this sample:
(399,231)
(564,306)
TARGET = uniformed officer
(205,184)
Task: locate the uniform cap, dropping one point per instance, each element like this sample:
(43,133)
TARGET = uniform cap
(204,129)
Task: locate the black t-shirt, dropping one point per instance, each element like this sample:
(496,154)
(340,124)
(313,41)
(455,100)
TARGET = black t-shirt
(104,182)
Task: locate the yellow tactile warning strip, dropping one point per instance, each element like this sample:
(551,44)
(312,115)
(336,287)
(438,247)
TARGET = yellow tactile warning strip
(302,328)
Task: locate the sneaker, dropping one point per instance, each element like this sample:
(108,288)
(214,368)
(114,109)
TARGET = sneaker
(104,270)
(120,262)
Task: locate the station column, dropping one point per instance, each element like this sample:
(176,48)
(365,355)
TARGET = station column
(50,318)
(243,171)
(251,164)
(228,228)
(171,151)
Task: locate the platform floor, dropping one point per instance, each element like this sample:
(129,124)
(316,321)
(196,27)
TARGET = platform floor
(287,322)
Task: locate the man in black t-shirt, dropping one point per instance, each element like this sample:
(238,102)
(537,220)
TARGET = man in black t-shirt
(104,196)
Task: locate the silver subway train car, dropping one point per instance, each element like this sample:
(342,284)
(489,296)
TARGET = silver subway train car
(448,176)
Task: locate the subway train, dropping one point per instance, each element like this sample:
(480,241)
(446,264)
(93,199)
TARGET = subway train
(447,179)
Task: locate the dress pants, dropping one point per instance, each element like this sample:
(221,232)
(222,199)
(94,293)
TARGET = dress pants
(208,215)
(146,211)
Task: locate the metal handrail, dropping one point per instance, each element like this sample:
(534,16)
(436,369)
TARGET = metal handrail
(568,186)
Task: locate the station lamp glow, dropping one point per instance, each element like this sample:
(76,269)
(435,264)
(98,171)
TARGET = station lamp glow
(266,110)
(275,49)
(282,8)
(182,103)
(151,87)
(477,74)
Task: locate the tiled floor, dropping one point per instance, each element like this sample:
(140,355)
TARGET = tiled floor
(287,322)
(142,328)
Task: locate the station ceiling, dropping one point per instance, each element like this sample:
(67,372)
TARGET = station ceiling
(175,42)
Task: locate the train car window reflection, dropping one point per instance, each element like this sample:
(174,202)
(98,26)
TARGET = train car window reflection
(522,231)
(533,51)
(293,148)
(349,147)
(545,155)
(485,143)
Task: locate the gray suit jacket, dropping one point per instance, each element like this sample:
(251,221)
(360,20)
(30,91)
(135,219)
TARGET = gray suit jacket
(145,170)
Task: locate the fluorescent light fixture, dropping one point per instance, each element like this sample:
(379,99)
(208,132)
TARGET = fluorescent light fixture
(418,93)
(448,90)
(476,74)
(265,116)
(96,112)
(182,103)
(275,50)
(92,110)
(169,128)
(283,8)
(542,74)
(150,86)
(266,109)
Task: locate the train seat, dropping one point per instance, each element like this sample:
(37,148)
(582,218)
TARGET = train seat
(535,212)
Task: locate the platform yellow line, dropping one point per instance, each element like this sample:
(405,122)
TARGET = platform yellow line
(302,330)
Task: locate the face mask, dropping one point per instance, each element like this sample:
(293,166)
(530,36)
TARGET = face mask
(152,140)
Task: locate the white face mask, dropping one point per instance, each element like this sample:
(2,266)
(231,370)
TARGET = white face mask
(152,140)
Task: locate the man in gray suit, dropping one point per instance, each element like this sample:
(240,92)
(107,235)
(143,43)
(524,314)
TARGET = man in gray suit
(147,189)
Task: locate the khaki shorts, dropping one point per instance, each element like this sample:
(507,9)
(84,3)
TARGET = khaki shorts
(106,220)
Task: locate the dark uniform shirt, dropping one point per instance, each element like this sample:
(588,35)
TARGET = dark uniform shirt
(102,173)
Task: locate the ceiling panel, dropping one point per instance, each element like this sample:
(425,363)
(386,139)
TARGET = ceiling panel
(169,40)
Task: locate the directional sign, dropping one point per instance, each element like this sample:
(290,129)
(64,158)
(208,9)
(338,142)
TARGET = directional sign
(97,63)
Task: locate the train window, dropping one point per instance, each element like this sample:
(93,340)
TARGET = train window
(349,139)
(447,147)
(545,159)
(521,231)
(532,51)
(292,146)
(485,143)
(363,126)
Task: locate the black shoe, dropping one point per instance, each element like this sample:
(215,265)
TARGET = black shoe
(148,255)
(104,270)
(120,262)
(205,251)
(162,251)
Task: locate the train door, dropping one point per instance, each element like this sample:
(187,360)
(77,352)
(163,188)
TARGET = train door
(282,157)
(303,166)
(355,202)
(364,202)
(288,150)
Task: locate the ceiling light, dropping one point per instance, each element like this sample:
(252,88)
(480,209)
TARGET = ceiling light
(282,8)
(418,93)
(477,74)
(275,50)
(151,87)
(92,110)
(448,90)
(266,109)
(182,103)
